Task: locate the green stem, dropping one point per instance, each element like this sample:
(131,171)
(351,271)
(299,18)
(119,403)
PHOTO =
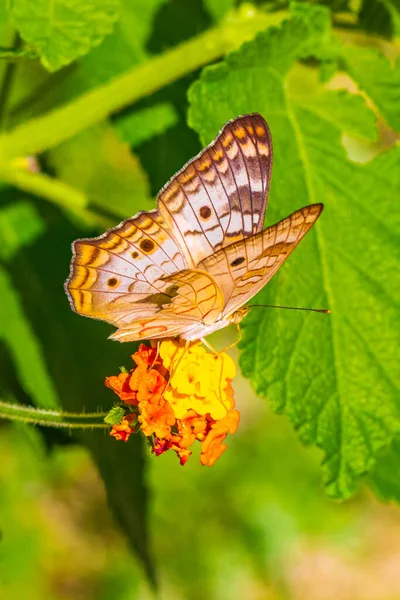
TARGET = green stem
(55,191)
(51,418)
(45,186)
(48,131)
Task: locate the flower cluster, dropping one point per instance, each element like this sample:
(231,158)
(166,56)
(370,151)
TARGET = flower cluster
(176,395)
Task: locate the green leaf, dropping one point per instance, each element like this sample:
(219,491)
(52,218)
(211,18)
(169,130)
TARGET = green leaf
(142,125)
(99,164)
(393,6)
(172,26)
(20,224)
(378,78)
(334,376)
(375,17)
(381,17)
(344,111)
(217,9)
(4,16)
(385,477)
(62,30)
(123,467)
(24,347)
(121,50)
(114,416)
(137,20)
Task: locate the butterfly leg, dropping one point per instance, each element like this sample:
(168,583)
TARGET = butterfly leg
(237,341)
(214,351)
(208,345)
(185,349)
(157,354)
(216,356)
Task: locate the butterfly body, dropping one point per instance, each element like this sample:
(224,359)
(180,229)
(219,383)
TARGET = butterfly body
(188,267)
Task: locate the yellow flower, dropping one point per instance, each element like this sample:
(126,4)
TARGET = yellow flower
(170,350)
(199,379)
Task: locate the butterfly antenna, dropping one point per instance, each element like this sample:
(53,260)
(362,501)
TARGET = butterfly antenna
(326,311)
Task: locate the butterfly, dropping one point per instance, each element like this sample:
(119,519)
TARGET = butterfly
(189,267)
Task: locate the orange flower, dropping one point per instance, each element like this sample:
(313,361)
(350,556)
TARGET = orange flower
(156,419)
(146,356)
(162,445)
(120,384)
(123,430)
(179,396)
(150,387)
(212,446)
(197,423)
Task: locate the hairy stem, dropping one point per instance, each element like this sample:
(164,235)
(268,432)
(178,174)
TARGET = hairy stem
(51,418)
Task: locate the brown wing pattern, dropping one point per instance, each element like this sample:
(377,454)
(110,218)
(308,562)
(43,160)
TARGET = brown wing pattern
(118,275)
(243,268)
(195,298)
(220,196)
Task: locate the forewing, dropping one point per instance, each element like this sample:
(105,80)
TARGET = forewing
(220,196)
(243,268)
(121,272)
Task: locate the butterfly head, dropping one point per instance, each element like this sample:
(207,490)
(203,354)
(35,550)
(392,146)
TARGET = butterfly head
(239,314)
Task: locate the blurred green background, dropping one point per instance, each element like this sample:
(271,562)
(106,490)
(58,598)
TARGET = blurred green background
(100,104)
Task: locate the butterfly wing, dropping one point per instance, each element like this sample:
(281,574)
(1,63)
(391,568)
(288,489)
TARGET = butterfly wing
(135,277)
(195,297)
(220,196)
(244,267)
(122,270)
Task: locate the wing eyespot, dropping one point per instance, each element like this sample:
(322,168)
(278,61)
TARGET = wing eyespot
(238,261)
(135,255)
(147,246)
(112,282)
(205,212)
